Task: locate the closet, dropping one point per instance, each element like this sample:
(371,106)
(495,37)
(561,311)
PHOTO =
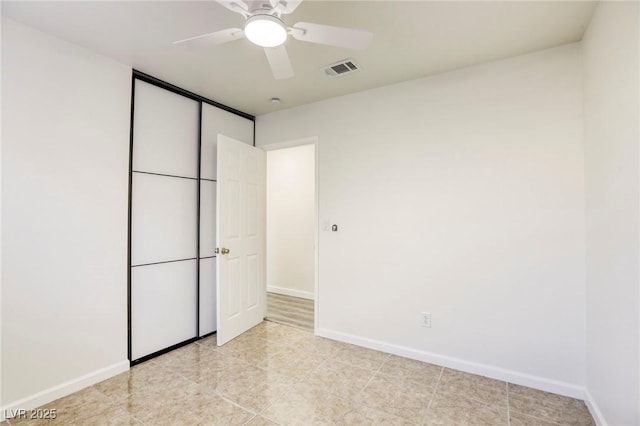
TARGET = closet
(172,220)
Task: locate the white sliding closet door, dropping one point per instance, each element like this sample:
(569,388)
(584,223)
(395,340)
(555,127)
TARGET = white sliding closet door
(214,122)
(164,311)
(164,217)
(207,257)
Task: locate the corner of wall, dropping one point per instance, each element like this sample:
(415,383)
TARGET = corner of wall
(611,94)
(595,411)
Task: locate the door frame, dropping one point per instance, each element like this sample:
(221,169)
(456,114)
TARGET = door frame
(311,140)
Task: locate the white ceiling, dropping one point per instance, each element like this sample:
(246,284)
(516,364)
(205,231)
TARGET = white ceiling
(411,39)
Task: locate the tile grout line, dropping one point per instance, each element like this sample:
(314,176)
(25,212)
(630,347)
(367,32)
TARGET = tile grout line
(274,400)
(480,400)
(250,420)
(433,395)
(260,412)
(526,414)
(228,399)
(116,403)
(552,422)
(377,370)
(215,391)
(270,419)
(248,410)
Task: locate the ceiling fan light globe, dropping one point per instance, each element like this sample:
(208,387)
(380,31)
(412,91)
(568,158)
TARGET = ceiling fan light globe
(265,31)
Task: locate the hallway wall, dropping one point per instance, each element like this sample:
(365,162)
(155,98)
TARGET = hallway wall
(291,221)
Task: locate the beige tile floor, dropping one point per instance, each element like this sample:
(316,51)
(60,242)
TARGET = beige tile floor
(275,374)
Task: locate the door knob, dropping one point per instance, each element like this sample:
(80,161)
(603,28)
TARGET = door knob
(222,250)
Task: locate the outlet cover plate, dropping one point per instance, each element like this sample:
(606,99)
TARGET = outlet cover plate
(426,319)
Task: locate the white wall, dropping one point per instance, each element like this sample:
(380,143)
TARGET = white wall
(611,56)
(291,221)
(462,195)
(65,142)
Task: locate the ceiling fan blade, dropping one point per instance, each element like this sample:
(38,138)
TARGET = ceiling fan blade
(212,39)
(279,62)
(285,6)
(332,36)
(238,6)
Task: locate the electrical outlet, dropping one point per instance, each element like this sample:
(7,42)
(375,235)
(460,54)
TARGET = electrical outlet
(426,319)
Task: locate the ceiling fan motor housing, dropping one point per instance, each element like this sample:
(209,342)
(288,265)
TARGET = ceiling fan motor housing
(257,6)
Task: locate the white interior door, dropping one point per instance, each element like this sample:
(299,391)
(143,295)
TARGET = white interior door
(214,121)
(241,289)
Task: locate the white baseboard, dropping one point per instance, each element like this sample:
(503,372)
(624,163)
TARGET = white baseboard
(63,389)
(497,373)
(594,409)
(290,292)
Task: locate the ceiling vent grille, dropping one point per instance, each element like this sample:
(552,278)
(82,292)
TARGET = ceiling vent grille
(346,66)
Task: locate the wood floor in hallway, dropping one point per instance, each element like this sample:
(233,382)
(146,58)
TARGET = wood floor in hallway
(289,310)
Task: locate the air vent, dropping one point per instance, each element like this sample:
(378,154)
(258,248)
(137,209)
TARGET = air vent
(341,68)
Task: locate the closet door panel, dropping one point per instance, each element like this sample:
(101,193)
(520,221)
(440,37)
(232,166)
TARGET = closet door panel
(214,121)
(207,296)
(165,132)
(164,297)
(207,218)
(163,219)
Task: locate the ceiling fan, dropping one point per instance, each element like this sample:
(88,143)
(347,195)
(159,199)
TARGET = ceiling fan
(264,27)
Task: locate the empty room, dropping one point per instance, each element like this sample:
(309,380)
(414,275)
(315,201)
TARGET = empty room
(287,212)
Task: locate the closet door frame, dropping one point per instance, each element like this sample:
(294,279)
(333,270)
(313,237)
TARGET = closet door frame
(138,75)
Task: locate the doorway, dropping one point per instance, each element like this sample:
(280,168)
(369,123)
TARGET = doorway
(291,233)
